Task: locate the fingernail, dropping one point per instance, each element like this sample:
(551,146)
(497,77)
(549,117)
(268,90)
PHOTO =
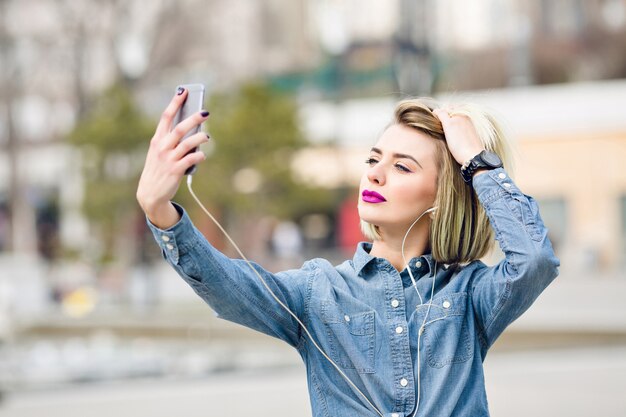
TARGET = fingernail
(204,113)
(180,91)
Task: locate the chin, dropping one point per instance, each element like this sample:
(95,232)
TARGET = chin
(365,214)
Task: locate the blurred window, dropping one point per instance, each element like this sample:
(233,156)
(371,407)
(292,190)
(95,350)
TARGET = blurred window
(622,210)
(47,222)
(562,17)
(554,212)
(4,223)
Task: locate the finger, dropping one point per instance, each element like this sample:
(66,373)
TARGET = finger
(188,161)
(165,123)
(442,115)
(185,126)
(189,144)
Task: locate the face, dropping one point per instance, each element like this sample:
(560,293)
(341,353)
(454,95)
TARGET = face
(399,183)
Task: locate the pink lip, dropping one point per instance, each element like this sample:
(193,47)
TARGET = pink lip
(372,197)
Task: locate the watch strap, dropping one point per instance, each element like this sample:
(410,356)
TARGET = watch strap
(477,162)
(467,170)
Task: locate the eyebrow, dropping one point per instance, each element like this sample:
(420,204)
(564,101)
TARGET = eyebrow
(399,155)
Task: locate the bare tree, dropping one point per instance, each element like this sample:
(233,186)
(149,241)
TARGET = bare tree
(22,230)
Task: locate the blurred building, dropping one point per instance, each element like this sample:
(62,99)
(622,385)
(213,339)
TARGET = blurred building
(340,58)
(491,43)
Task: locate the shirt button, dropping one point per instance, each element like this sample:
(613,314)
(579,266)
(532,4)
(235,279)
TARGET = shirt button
(399,329)
(446,304)
(418,264)
(169,246)
(165,238)
(502,175)
(404,382)
(346,317)
(506,184)
(395,303)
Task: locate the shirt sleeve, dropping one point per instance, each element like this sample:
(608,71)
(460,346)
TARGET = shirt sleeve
(500,294)
(229,286)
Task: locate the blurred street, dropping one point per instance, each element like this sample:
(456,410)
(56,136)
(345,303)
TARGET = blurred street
(577,382)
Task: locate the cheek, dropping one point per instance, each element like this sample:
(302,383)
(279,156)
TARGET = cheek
(364,184)
(416,194)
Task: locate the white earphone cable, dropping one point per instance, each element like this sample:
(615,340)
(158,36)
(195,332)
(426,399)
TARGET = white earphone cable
(430,303)
(419,337)
(402,251)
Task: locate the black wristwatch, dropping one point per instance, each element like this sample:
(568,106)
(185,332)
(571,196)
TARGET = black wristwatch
(484,160)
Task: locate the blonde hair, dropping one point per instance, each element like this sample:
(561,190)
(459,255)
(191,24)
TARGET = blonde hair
(460,231)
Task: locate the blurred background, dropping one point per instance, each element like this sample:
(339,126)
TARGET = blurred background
(94,322)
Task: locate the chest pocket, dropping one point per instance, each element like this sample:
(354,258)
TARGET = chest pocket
(351,336)
(446,335)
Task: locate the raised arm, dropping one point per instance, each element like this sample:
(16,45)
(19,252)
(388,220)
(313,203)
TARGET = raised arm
(501,293)
(229,286)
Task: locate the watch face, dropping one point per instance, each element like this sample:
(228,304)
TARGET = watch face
(491,159)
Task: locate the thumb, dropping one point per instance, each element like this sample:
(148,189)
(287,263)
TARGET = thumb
(442,115)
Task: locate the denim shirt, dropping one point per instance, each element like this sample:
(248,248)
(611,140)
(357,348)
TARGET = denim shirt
(366,315)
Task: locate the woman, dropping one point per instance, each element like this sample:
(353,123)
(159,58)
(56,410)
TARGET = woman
(396,338)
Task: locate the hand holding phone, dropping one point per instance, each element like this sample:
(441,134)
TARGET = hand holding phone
(192,104)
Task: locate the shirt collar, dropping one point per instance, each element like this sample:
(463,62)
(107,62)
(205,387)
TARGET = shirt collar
(426,258)
(362,258)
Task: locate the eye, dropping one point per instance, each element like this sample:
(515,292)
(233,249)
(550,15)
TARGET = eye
(370,161)
(402,168)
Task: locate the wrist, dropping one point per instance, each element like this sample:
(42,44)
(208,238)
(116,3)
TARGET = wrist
(479,172)
(465,161)
(163,216)
(484,161)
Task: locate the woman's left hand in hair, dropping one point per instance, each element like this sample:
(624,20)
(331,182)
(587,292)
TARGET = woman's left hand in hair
(461,136)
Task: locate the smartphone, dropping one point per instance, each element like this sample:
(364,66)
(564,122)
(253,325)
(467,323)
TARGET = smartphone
(192,104)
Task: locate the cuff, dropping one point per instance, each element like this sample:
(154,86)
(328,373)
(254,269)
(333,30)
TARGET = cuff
(170,238)
(492,184)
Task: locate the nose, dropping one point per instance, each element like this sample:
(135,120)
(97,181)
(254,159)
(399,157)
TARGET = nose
(376,175)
